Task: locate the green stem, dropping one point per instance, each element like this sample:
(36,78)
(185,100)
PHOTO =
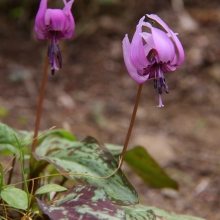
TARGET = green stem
(1,180)
(131,124)
(12,169)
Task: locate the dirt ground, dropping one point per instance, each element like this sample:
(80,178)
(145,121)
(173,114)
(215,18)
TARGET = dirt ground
(94,95)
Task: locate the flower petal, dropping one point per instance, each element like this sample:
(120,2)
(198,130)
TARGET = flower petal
(179,47)
(163,45)
(70,23)
(137,53)
(149,43)
(39,21)
(39,34)
(55,19)
(130,67)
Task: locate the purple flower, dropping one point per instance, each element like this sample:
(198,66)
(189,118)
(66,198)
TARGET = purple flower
(54,24)
(150,55)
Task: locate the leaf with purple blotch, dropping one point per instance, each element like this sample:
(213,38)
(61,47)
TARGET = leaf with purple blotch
(83,202)
(87,162)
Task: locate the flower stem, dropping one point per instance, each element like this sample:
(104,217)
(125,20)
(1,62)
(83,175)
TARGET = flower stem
(131,123)
(40,104)
(33,162)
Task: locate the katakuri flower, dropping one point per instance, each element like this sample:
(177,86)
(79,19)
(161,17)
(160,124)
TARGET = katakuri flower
(55,25)
(150,55)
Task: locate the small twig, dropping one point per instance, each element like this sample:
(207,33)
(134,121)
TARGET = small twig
(131,124)
(5,210)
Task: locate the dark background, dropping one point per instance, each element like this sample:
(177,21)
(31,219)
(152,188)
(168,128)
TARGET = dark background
(94,95)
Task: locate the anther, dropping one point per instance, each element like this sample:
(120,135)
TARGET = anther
(161,81)
(50,54)
(166,89)
(155,83)
(160,90)
(59,58)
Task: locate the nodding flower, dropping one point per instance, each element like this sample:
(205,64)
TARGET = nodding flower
(55,25)
(151,54)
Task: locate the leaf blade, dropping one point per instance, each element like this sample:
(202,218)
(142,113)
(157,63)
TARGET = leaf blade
(93,161)
(50,188)
(83,202)
(148,169)
(15,197)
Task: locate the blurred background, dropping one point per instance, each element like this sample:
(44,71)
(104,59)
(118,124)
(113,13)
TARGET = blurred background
(94,95)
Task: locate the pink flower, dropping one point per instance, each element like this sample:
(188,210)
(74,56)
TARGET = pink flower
(150,55)
(54,24)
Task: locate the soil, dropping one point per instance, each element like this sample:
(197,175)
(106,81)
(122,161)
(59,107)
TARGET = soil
(94,95)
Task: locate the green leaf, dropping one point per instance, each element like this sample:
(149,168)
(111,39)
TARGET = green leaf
(148,169)
(16,198)
(7,139)
(86,163)
(141,212)
(114,149)
(52,144)
(50,188)
(61,133)
(83,202)
(91,202)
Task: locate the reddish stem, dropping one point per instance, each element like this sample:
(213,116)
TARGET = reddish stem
(33,173)
(40,104)
(131,123)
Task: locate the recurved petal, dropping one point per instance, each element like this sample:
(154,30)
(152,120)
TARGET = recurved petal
(55,19)
(70,23)
(177,43)
(39,33)
(163,45)
(149,44)
(131,69)
(39,20)
(67,7)
(137,53)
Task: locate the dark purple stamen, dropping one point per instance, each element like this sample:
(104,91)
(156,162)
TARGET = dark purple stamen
(50,54)
(166,89)
(59,58)
(160,90)
(155,83)
(161,82)
(53,54)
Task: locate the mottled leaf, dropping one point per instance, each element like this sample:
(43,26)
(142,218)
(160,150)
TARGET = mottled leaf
(114,149)
(148,169)
(60,133)
(94,161)
(83,202)
(141,212)
(50,188)
(15,198)
(53,143)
